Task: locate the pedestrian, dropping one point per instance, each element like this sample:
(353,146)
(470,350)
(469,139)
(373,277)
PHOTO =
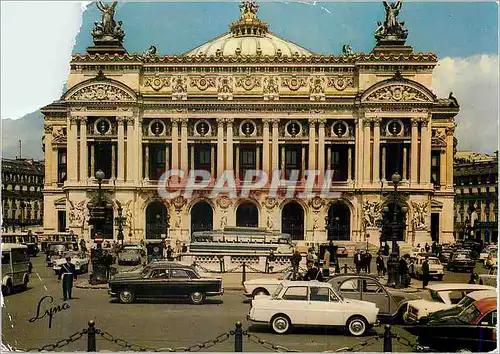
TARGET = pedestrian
(427,247)
(380,264)
(184,248)
(425,272)
(67,273)
(170,253)
(313,272)
(310,255)
(295,260)
(357,261)
(403,272)
(386,249)
(270,262)
(326,263)
(368,261)
(363,261)
(474,277)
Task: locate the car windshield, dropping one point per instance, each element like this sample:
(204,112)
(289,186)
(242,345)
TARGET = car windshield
(465,302)
(435,296)
(58,248)
(461,256)
(278,291)
(145,270)
(433,261)
(469,314)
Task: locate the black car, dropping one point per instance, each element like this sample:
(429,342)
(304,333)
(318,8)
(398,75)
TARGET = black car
(474,329)
(164,280)
(445,256)
(461,261)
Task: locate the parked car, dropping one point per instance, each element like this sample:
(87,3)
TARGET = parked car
(445,256)
(79,259)
(312,303)
(486,251)
(491,260)
(436,269)
(129,256)
(135,247)
(57,249)
(461,261)
(467,301)
(164,280)
(390,302)
(443,297)
(490,278)
(474,330)
(264,286)
(15,267)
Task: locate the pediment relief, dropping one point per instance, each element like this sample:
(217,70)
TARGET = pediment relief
(397,93)
(101,92)
(60,202)
(436,206)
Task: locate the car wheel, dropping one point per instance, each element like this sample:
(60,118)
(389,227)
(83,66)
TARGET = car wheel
(280,324)
(356,326)
(7,289)
(406,318)
(259,292)
(197,297)
(464,351)
(126,296)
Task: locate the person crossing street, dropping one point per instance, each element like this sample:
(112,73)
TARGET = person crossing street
(67,273)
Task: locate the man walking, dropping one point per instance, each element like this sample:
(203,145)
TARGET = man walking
(380,264)
(425,272)
(313,273)
(295,260)
(67,273)
(357,261)
(368,262)
(403,272)
(326,263)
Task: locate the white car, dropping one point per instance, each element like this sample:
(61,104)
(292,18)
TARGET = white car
(436,269)
(444,296)
(80,261)
(491,260)
(264,286)
(312,303)
(486,251)
(490,278)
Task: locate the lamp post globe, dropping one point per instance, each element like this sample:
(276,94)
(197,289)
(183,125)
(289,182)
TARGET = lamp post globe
(99,175)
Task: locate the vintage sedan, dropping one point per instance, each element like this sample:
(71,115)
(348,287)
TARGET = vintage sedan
(264,286)
(436,269)
(444,296)
(164,280)
(445,256)
(129,256)
(456,310)
(312,303)
(461,261)
(391,302)
(474,330)
(490,278)
(79,259)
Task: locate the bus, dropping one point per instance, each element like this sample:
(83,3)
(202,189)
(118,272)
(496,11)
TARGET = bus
(15,267)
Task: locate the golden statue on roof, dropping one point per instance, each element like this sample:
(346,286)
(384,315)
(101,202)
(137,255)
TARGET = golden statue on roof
(249,9)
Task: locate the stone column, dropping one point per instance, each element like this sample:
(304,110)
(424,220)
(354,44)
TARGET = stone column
(358,173)
(442,169)
(212,160)
(220,146)
(92,160)
(349,164)
(167,157)
(282,164)
(275,164)
(265,145)
(184,145)
(175,144)
(414,152)
(121,148)
(146,161)
(303,166)
(131,161)
(237,168)
(138,151)
(383,162)
(113,161)
(329,158)
(49,162)
(449,156)
(191,158)
(405,164)
(257,157)
(321,147)
(83,150)
(376,150)
(72,160)
(312,146)
(366,150)
(229,144)
(425,143)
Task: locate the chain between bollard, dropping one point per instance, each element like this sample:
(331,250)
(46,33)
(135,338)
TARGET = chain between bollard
(60,344)
(416,347)
(139,348)
(356,347)
(267,344)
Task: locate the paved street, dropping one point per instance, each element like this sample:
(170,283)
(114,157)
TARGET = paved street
(153,324)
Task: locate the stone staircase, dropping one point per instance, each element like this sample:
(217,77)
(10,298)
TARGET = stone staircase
(352,246)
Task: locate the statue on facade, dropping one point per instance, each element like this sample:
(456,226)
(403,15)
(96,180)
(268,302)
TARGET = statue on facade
(107,30)
(372,213)
(391,29)
(77,213)
(347,50)
(419,220)
(249,9)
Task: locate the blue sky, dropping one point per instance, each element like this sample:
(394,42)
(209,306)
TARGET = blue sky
(448,29)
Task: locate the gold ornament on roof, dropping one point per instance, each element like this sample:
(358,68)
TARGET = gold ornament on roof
(249,24)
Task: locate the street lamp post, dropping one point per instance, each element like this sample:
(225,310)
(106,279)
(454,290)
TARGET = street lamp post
(119,221)
(392,265)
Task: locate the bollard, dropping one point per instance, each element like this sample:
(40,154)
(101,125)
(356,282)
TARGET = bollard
(91,347)
(267,266)
(244,273)
(238,337)
(221,263)
(387,339)
(345,268)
